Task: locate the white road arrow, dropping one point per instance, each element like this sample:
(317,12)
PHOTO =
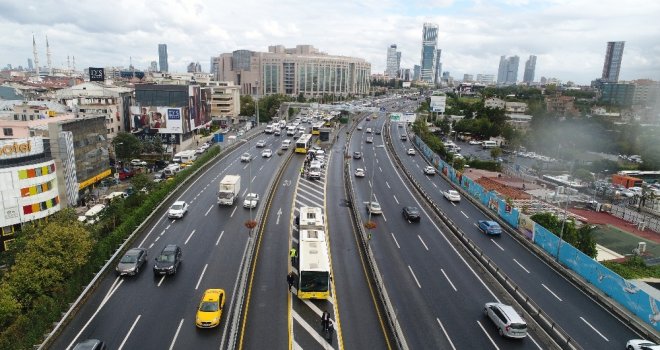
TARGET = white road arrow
(279,212)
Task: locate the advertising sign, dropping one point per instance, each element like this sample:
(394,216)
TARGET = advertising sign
(18,148)
(96,74)
(200,106)
(152,120)
(438,103)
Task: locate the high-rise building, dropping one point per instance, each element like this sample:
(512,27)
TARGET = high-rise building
(429,44)
(416,69)
(613,57)
(398,62)
(507,74)
(393,58)
(162,58)
(438,66)
(468,78)
(530,67)
(153,67)
(486,79)
(30,64)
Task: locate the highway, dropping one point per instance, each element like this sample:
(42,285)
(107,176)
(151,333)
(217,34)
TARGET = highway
(438,297)
(148,312)
(587,322)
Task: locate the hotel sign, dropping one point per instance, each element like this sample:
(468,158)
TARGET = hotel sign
(18,148)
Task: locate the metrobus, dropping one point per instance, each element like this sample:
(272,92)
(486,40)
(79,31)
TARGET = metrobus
(316,128)
(314,277)
(304,143)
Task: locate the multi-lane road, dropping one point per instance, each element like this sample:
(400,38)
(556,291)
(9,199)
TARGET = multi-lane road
(437,293)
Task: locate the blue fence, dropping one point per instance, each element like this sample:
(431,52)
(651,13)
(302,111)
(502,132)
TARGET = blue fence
(635,300)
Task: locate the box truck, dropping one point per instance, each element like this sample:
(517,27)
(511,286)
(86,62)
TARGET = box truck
(230,186)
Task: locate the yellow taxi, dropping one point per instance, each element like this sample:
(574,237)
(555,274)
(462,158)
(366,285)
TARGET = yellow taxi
(209,311)
(186,164)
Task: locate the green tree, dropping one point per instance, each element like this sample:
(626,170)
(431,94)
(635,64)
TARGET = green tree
(9,306)
(141,181)
(495,152)
(127,146)
(583,175)
(247,105)
(301,98)
(585,241)
(582,239)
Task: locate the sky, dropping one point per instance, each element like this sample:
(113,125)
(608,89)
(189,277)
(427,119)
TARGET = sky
(569,37)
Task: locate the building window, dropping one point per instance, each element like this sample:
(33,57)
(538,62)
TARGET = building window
(8,131)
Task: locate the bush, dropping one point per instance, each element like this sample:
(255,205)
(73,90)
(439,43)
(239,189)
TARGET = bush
(633,268)
(485,164)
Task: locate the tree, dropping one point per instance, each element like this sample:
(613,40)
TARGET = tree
(495,152)
(585,241)
(582,238)
(583,175)
(247,105)
(141,181)
(127,146)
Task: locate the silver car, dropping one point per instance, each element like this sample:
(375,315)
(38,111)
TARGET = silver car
(131,262)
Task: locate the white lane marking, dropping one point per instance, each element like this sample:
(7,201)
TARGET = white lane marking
(157,238)
(384,218)
(415,277)
(311,330)
(162,233)
(168,226)
(121,346)
(376,158)
(445,332)
(207,212)
(434,185)
(113,288)
(233,211)
(253,178)
(488,335)
(161,280)
(421,240)
(551,292)
(388,185)
(397,201)
(448,280)
(261,167)
(592,327)
(176,334)
(465,215)
(219,238)
(153,228)
(246,165)
(191,234)
(151,245)
(381,169)
(369,183)
(201,276)
(395,241)
(244,192)
(499,246)
(519,264)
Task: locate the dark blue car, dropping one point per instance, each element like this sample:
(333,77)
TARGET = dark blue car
(490,227)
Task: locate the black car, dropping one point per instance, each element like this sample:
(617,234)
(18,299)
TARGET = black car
(357,155)
(131,262)
(168,260)
(411,214)
(161,163)
(377,131)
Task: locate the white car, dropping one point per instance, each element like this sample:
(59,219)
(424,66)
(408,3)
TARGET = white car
(641,344)
(246,157)
(251,200)
(261,144)
(138,162)
(359,127)
(374,208)
(368,131)
(177,210)
(452,195)
(429,170)
(411,152)
(200,150)
(267,153)
(359,172)
(474,142)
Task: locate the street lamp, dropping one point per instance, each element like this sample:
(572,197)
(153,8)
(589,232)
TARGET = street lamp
(257,102)
(371,192)
(563,223)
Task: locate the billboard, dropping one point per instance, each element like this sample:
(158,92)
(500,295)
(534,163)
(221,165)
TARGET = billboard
(438,103)
(200,106)
(96,74)
(152,120)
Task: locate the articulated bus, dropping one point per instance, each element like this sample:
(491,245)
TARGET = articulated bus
(316,128)
(314,278)
(304,143)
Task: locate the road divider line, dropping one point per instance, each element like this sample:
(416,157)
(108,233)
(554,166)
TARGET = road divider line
(219,238)
(384,218)
(499,246)
(448,280)
(207,212)
(201,276)
(176,334)
(311,330)
(191,234)
(161,280)
(388,185)
(254,177)
(244,192)
(121,346)
(519,264)
(397,201)
(434,185)
(594,328)
(446,335)
(415,277)
(381,169)
(467,217)
(395,241)
(551,292)
(246,165)
(421,240)
(151,245)
(233,211)
(487,335)
(168,227)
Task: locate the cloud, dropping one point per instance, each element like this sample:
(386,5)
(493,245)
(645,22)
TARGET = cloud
(569,37)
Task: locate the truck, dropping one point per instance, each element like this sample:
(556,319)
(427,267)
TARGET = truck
(230,186)
(626,181)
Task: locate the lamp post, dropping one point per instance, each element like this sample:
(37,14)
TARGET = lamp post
(257,103)
(563,223)
(371,191)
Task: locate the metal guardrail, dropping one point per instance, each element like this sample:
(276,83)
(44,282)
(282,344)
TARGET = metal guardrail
(381,290)
(91,287)
(554,331)
(247,265)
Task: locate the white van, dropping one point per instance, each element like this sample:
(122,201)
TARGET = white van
(269,129)
(92,215)
(508,321)
(290,130)
(489,144)
(171,170)
(113,196)
(286,144)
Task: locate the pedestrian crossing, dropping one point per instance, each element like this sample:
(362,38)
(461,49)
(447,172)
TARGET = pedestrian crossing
(306,328)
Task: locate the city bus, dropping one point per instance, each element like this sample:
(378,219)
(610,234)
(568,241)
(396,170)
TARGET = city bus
(314,276)
(316,128)
(304,143)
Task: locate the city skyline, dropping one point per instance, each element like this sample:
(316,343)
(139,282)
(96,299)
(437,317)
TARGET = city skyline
(568,40)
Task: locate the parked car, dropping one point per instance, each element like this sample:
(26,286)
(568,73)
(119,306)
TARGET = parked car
(168,261)
(429,170)
(490,227)
(452,195)
(359,172)
(161,163)
(210,308)
(411,152)
(177,210)
(411,214)
(474,142)
(506,319)
(374,208)
(251,200)
(261,144)
(357,155)
(267,153)
(246,157)
(131,262)
(138,162)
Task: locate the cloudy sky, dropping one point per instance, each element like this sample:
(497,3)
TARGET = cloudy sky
(568,36)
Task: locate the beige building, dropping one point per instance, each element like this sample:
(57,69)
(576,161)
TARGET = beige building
(494,102)
(225,102)
(293,71)
(515,107)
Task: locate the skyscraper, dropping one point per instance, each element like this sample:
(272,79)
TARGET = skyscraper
(416,70)
(613,57)
(429,44)
(438,66)
(530,66)
(507,74)
(393,59)
(162,58)
(30,64)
